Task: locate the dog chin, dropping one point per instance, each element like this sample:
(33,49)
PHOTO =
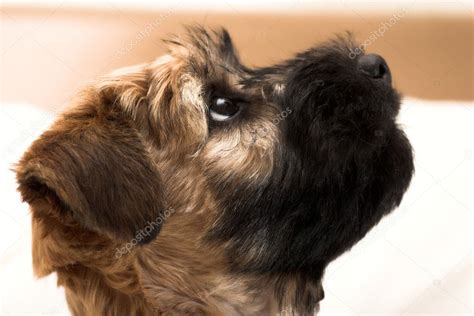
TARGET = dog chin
(308,215)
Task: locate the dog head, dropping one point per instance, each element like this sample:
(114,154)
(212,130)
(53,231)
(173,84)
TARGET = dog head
(281,168)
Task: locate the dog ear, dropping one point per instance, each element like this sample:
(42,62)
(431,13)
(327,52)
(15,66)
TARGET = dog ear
(92,165)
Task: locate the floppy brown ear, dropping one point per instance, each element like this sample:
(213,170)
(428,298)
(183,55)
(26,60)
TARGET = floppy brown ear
(92,164)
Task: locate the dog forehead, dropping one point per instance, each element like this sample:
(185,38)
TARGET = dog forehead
(205,50)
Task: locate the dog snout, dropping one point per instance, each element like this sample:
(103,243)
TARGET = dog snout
(375,66)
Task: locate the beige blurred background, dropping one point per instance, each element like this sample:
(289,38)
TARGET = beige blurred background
(49,49)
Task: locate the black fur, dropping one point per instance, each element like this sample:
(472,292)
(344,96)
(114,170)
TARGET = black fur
(341,166)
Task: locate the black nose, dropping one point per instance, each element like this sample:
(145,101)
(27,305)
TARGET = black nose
(375,66)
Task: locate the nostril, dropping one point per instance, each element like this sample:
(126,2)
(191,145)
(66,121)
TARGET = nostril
(381,71)
(375,66)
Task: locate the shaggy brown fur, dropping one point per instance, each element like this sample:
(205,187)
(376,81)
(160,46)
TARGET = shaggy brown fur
(124,189)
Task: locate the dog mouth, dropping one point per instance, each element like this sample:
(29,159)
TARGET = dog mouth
(336,95)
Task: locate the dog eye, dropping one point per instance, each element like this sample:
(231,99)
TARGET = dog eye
(223,109)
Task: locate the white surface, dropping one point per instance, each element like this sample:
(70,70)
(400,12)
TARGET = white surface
(417,261)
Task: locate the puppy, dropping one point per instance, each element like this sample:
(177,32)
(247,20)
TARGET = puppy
(194,185)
